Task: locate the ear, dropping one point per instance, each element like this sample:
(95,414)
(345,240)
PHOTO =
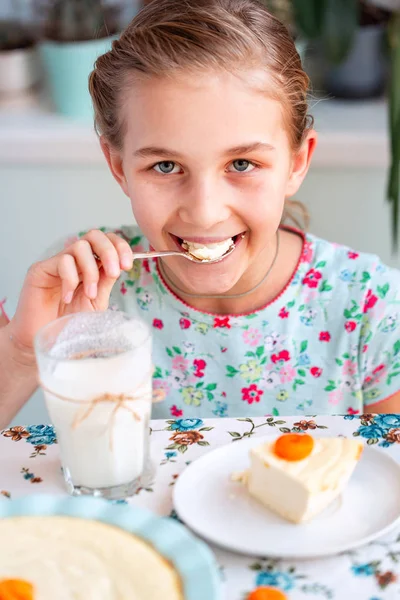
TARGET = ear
(115,163)
(301,163)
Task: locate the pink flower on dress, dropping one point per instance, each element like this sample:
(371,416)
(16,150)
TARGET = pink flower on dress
(349,368)
(350,326)
(199,365)
(283,313)
(287,374)
(353,255)
(379,373)
(324,336)
(310,296)
(222,322)
(284,355)
(123,289)
(370,301)
(352,411)
(158,324)
(161,384)
(308,252)
(252,394)
(179,363)
(252,337)
(336,396)
(175,411)
(316,372)
(184,323)
(312,278)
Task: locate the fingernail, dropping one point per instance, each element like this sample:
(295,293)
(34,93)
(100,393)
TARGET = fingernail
(92,290)
(68,297)
(126,261)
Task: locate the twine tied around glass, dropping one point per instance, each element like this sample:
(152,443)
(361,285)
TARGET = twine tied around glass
(119,400)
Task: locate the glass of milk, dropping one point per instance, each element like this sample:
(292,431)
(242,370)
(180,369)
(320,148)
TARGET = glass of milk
(96,373)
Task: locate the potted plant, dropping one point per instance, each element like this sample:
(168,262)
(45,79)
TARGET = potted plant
(19,65)
(337,23)
(75,33)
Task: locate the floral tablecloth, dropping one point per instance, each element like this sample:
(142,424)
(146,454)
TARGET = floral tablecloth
(29,463)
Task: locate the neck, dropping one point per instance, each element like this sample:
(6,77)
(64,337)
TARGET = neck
(291,245)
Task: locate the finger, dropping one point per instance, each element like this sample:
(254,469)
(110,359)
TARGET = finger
(68,273)
(87,267)
(105,287)
(103,247)
(123,249)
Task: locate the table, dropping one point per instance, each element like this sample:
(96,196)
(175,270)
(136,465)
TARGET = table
(29,463)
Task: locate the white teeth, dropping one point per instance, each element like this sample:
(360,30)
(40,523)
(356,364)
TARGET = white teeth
(208,251)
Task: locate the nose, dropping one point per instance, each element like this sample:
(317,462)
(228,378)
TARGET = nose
(204,204)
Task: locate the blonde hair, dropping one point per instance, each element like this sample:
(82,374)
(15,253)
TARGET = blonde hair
(171,36)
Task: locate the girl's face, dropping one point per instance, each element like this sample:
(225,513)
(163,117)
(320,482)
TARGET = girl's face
(207,158)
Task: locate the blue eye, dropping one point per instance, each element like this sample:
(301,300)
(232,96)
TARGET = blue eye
(166,167)
(241,166)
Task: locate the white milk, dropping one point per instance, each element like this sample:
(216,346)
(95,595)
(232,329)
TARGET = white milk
(102,450)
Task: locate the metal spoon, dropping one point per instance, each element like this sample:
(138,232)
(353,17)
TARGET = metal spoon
(186,255)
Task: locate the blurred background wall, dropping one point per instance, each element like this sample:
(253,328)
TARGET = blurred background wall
(54,181)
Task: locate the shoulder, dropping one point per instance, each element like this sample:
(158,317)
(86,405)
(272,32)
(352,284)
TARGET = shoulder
(360,270)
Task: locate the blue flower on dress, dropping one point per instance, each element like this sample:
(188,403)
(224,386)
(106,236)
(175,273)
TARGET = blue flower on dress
(278,579)
(170,454)
(371,431)
(186,424)
(304,360)
(346,275)
(363,570)
(221,409)
(41,434)
(387,421)
(28,476)
(350,417)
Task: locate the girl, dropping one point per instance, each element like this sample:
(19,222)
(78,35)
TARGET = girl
(202,115)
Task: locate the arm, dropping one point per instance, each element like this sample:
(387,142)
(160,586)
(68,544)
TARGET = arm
(17,376)
(390,405)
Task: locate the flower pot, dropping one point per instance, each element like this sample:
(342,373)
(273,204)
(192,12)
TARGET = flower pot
(19,71)
(68,66)
(363,72)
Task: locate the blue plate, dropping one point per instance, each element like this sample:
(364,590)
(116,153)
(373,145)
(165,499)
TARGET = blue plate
(191,558)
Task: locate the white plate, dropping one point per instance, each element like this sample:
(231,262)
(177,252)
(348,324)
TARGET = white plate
(222,511)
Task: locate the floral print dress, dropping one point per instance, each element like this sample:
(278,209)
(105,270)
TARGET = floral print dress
(328,344)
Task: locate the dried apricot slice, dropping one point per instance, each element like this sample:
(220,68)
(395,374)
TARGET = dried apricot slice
(294,446)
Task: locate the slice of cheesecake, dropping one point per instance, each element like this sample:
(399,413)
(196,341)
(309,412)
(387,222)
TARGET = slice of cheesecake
(297,476)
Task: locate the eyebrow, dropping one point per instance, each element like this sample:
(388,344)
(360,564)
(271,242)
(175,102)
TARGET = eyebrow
(237,150)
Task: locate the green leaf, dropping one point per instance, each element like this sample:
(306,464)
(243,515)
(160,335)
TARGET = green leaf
(203,443)
(372,441)
(347,314)
(339,362)
(250,354)
(299,381)
(392,375)
(325,287)
(211,386)
(291,304)
(256,567)
(365,277)
(330,388)
(182,449)
(340,26)
(301,308)
(177,350)
(130,283)
(135,241)
(321,264)
(301,372)
(275,412)
(206,429)
(169,352)
(396,348)
(231,371)
(157,373)
(210,396)
(303,346)
(383,290)
(234,434)
(346,355)
(284,429)
(200,384)
(260,351)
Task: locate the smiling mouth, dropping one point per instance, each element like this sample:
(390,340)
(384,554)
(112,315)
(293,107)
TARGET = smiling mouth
(210,251)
